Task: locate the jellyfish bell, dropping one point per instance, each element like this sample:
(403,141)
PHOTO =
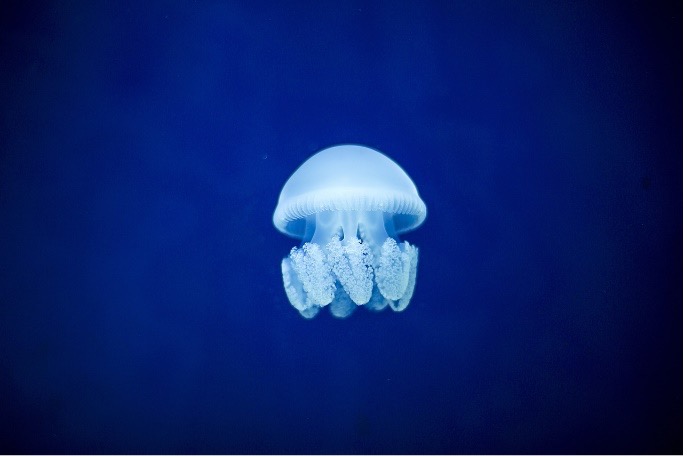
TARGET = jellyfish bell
(348,204)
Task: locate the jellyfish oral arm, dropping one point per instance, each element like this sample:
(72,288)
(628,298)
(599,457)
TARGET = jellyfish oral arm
(350,260)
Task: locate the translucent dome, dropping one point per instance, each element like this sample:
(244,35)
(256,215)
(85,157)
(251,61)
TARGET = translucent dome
(348,178)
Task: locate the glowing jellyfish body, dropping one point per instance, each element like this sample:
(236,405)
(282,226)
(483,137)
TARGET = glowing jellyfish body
(348,204)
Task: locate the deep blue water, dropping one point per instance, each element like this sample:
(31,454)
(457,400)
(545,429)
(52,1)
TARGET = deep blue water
(143,148)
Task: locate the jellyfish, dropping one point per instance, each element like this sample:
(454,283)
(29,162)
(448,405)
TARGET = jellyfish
(348,204)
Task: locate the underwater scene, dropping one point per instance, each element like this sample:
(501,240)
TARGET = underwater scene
(341,227)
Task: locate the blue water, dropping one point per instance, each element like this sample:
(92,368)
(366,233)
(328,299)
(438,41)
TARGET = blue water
(144,145)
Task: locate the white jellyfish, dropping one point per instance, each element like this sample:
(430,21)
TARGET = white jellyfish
(348,203)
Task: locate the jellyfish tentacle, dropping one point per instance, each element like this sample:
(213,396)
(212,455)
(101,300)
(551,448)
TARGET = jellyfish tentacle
(293,286)
(314,273)
(402,303)
(377,302)
(342,306)
(310,312)
(351,261)
(392,270)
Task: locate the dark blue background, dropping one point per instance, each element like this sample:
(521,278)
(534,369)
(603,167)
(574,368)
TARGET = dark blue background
(143,147)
